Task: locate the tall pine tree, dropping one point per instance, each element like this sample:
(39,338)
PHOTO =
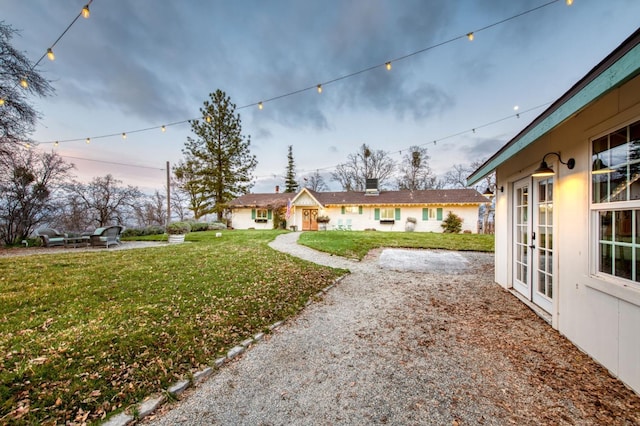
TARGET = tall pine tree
(224,163)
(290,184)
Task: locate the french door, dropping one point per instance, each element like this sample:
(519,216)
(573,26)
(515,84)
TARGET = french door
(533,240)
(310,219)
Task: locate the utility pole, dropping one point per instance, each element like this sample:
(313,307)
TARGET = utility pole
(168,194)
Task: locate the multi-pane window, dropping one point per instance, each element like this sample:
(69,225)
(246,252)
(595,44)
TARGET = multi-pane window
(387,214)
(261,214)
(616,202)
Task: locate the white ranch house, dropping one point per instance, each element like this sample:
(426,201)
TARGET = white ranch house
(568,240)
(358,211)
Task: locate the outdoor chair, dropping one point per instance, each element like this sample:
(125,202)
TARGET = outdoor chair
(340,226)
(348,225)
(107,236)
(51,237)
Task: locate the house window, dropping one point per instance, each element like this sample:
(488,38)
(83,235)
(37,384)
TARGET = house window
(432,214)
(261,215)
(615,202)
(387,214)
(352,209)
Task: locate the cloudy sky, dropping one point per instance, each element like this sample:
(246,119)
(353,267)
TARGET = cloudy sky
(141,64)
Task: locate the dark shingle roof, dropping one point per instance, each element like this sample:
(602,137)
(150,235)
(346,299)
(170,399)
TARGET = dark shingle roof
(428,196)
(273,200)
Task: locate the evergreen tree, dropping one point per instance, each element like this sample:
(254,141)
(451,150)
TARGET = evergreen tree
(222,162)
(290,184)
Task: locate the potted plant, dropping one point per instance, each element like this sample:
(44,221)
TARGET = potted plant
(323,219)
(177,231)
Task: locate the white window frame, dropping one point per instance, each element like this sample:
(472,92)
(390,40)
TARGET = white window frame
(262,214)
(387,213)
(595,211)
(352,209)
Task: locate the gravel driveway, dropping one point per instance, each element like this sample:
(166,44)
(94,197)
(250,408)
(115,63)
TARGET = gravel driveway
(409,337)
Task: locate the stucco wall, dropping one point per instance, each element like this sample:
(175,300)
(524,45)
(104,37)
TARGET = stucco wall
(241,219)
(599,314)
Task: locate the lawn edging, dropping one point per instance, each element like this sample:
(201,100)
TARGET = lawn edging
(153,402)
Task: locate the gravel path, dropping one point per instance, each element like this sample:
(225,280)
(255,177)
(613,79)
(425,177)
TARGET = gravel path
(409,337)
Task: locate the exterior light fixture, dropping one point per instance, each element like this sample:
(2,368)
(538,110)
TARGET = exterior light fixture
(489,193)
(600,168)
(545,170)
(470,36)
(319,88)
(50,54)
(85,12)
(388,65)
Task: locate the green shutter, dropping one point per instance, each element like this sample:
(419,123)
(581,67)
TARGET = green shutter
(376,214)
(253,213)
(342,209)
(359,209)
(269,214)
(397,214)
(425,214)
(439,214)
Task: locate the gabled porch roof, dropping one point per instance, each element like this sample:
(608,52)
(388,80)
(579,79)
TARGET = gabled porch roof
(618,67)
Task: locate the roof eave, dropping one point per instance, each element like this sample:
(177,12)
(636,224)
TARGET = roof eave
(620,66)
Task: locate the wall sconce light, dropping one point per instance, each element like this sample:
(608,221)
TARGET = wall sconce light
(599,167)
(489,193)
(545,170)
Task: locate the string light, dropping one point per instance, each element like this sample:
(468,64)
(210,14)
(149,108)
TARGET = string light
(163,128)
(569,2)
(343,77)
(470,36)
(56,143)
(124,135)
(88,141)
(208,118)
(1,101)
(85,12)
(319,88)
(23,82)
(50,54)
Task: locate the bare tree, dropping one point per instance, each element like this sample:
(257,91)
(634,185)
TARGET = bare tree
(29,183)
(364,164)
(415,171)
(179,201)
(315,182)
(105,200)
(153,211)
(457,176)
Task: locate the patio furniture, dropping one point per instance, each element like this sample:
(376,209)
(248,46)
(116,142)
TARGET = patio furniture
(51,237)
(107,236)
(348,225)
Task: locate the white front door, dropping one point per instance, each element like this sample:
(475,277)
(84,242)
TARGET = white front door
(533,240)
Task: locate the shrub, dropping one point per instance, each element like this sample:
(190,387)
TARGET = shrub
(177,228)
(198,226)
(138,232)
(452,224)
(214,226)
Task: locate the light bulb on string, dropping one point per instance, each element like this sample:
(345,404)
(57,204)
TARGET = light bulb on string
(50,54)
(260,105)
(319,88)
(85,12)
(124,135)
(27,145)
(470,36)
(208,119)
(88,141)
(388,65)
(23,82)
(569,2)
(163,128)
(56,143)
(1,101)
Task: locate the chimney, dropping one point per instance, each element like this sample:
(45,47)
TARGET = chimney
(277,189)
(371,187)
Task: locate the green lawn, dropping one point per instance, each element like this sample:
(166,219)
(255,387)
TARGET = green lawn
(85,333)
(356,244)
